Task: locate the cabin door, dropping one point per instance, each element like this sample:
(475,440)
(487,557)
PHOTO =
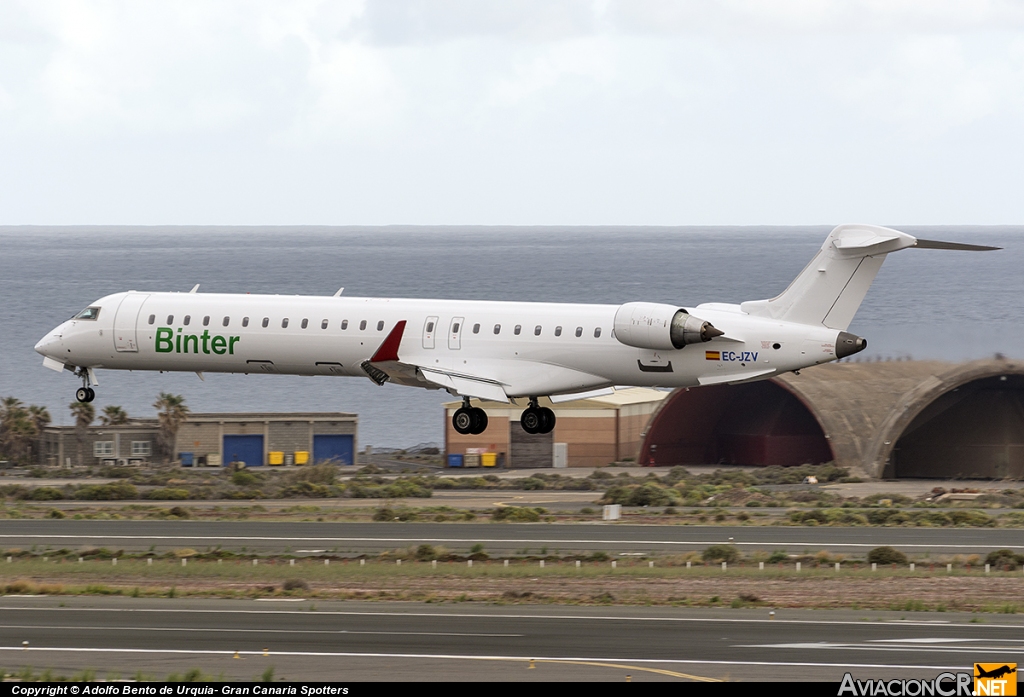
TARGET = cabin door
(125,322)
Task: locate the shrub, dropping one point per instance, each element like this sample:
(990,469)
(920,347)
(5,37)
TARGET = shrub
(651,494)
(54,513)
(886,555)
(777,557)
(168,494)
(115,491)
(726,553)
(516,514)
(45,493)
(426,552)
(295,584)
(323,473)
(243,478)
(532,484)
(1004,559)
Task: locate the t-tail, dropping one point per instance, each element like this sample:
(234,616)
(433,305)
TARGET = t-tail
(832,286)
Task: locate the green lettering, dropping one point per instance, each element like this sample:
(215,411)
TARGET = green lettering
(177,341)
(164,344)
(195,343)
(206,341)
(219,345)
(231,346)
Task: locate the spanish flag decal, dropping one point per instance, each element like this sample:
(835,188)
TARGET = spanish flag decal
(712,355)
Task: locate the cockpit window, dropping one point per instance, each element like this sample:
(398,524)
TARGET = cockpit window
(89,313)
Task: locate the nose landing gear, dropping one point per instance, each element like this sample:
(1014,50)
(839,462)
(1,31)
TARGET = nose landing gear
(84,393)
(537,419)
(469,420)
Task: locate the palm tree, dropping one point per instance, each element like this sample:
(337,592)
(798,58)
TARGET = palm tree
(113,416)
(171,413)
(84,414)
(40,418)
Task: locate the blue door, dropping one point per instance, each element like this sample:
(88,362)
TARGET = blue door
(336,448)
(247,449)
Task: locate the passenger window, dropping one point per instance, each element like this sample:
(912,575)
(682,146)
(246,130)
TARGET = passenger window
(497,329)
(305,323)
(323,325)
(579,331)
(152,318)
(380,326)
(170,319)
(518,329)
(284,323)
(206,321)
(266,321)
(362,325)
(558,331)
(245,321)
(476,328)
(188,318)
(227,321)
(89,313)
(597,333)
(536,330)
(455,328)
(430,327)
(344,324)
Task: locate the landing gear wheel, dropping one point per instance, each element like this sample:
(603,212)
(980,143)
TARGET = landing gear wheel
(85,394)
(479,421)
(463,421)
(531,420)
(547,420)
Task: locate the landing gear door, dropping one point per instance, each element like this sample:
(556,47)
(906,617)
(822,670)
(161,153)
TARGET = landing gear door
(455,333)
(429,331)
(126,320)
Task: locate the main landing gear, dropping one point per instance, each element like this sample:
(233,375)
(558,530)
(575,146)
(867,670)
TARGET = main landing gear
(469,420)
(84,393)
(537,419)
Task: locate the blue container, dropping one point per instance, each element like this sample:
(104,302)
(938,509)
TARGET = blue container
(455,460)
(186,459)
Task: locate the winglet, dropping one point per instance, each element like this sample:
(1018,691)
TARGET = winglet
(388,350)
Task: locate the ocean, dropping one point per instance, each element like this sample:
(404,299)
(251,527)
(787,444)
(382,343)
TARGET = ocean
(924,303)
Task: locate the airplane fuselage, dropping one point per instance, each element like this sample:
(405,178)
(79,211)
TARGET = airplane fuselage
(528,349)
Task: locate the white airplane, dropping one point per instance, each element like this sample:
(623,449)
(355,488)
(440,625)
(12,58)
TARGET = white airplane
(493,351)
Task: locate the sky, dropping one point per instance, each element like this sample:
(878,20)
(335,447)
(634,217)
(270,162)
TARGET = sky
(511,112)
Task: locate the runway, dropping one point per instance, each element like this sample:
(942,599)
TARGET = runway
(498,538)
(409,641)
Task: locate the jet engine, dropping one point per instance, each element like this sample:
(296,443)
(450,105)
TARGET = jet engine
(660,327)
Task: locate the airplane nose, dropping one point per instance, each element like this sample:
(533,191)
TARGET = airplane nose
(49,345)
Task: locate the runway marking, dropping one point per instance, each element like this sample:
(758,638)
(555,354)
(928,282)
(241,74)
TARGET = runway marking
(672,673)
(939,645)
(474,540)
(460,657)
(497,616)
(250,630)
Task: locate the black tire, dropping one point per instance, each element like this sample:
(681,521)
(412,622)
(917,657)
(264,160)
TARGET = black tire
(531,420)
(82,394)
(547,420)
(92,394)
(479,421)
(463,421)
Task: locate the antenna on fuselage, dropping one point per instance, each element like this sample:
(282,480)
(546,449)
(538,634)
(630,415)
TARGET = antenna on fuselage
(340,291)
(194,288)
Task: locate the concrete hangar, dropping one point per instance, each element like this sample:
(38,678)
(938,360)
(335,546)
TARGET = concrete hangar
(883,420)
(213,439)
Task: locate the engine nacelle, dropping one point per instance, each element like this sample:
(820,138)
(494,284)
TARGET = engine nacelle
(660,327)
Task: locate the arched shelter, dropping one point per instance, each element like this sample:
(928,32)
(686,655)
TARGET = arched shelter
(892,419)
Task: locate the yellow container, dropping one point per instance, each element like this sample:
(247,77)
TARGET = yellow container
(301,457)
(488,459)
(275,457)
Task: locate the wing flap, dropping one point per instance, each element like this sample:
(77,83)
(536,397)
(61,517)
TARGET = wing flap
(466,386)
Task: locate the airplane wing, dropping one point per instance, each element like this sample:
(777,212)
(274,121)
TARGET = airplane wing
(491,380)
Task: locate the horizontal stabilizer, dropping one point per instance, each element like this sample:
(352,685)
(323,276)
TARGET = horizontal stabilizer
(954,246)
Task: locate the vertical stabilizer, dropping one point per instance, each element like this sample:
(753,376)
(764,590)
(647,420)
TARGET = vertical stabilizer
(830,289)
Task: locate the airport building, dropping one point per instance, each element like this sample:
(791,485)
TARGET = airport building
(588,432)
(256,439)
